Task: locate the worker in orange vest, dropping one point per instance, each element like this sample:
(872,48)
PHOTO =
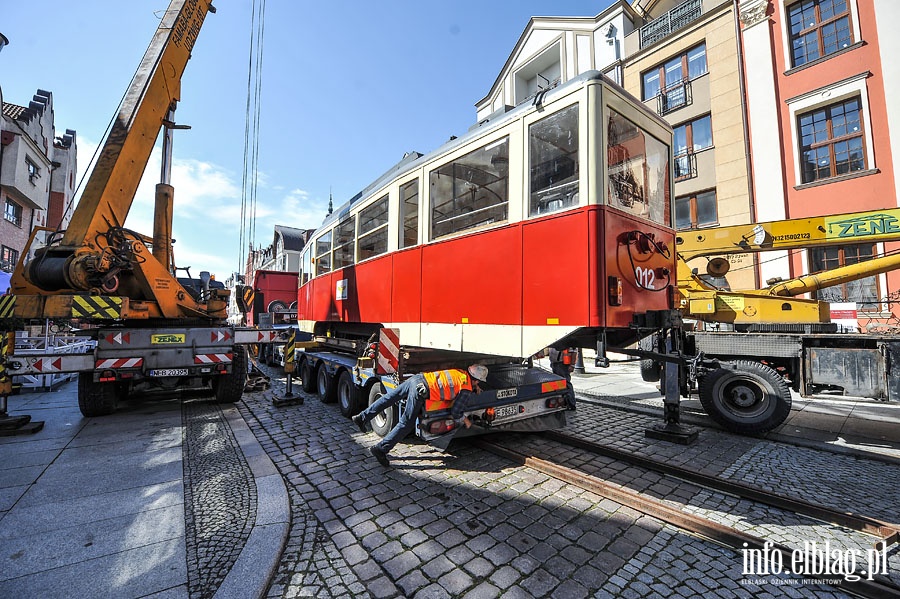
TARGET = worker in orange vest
(434,389)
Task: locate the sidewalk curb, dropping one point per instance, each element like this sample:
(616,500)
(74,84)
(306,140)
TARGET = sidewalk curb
(259,559)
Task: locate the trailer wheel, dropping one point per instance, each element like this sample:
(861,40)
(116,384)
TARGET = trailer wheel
(95,399)
(347,395)
(749,399)
(383,421)
(307,376)
(325,385)
(230,387)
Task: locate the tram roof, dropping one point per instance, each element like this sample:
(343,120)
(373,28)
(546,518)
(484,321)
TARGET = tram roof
(492,121)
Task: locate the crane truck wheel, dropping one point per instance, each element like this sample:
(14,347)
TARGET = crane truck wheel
(325,385)
(307,376)
(347,395)
(650,369)
(95,399)
(229,387)
(751,398)
(383,421)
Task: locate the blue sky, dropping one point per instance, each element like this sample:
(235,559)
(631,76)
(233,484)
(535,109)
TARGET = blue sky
(348,86)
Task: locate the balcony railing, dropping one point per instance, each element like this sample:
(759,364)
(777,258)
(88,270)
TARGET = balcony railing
(685,166)
(672,21)
(674,97)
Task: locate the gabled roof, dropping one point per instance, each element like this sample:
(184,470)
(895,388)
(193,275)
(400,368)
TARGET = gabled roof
(293,239)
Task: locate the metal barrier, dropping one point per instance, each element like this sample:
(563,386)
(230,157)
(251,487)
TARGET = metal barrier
(49,344)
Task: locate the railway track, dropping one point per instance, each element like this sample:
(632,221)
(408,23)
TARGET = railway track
(882,534)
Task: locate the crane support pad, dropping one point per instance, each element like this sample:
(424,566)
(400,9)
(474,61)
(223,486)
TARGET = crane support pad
(96,307)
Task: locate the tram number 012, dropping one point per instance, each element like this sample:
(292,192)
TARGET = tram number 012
(645,277)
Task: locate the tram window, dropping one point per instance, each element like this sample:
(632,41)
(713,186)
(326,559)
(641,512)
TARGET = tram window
(471,191)
(323,254)
(553,151)
(344,242)
(373,222)
(306,267)
(638,171)
(409,213)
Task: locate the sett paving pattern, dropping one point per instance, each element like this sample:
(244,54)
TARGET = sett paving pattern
(470,524)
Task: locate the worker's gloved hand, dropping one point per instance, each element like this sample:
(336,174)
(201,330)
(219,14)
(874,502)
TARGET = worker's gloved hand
(422,390)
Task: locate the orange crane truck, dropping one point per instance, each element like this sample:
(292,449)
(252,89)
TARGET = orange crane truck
(151,327)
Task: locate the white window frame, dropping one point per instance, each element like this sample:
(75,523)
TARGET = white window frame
(786,33)
(824,96)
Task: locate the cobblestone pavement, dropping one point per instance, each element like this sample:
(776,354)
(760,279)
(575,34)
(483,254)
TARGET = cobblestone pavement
(220,497)
(470,524)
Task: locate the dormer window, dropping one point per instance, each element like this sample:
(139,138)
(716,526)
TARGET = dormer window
(541,73)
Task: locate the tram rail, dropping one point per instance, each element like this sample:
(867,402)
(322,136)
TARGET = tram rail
(699,525)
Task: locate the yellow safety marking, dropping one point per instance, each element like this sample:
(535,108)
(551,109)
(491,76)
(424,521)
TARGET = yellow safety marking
(167,339)
(96,306)
(552,321)
(465,320)
(289,352)
(7,306)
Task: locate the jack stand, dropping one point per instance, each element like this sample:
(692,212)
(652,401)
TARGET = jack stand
(11,426)
(289,398)
(672,430)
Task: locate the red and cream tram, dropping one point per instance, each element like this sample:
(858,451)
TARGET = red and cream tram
(549,222)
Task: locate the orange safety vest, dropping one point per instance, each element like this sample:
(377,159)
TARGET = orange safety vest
(443,387)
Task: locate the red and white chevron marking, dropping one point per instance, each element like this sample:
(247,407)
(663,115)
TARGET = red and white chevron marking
(120,363)
(388,351)
(48,365)
(212,358)
(216,336)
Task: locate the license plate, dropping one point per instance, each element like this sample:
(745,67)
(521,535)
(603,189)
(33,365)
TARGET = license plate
(506,411)
(169,372)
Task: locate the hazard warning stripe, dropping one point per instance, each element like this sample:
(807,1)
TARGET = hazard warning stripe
(96,306)
(212,358)
(7,305)
(120,363)
(388,351)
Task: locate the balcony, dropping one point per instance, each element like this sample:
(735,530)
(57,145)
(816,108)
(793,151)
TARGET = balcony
(680,16)
(675,96)
(685,166)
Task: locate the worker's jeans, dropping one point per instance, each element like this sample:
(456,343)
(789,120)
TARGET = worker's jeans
(412,392)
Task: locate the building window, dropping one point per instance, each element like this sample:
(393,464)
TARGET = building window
(697,210)
(670,77)
(818,28)
(13,213)
(553,158)
(409,213)
(863,291)
(831,141)
(8,259)
(691,137)
(471,191)
(33,171)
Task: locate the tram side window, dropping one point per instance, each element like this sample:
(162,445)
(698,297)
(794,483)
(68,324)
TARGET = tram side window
(553,155)
(471,191)
(306,272)
(409,213)
(323,254)
(373,229)
(638,171)
(345,236)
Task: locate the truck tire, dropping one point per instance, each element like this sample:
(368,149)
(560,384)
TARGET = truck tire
(325,385)
(347,395)
(230,387)
(383,421)
(95,399)
(749,399)
(307,376)
(650,369)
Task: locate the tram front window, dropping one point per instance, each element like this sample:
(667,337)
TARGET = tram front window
(553,148)
(638,171)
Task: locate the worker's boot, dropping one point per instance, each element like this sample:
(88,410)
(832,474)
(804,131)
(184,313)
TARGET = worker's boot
(379,455)
(358,421)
